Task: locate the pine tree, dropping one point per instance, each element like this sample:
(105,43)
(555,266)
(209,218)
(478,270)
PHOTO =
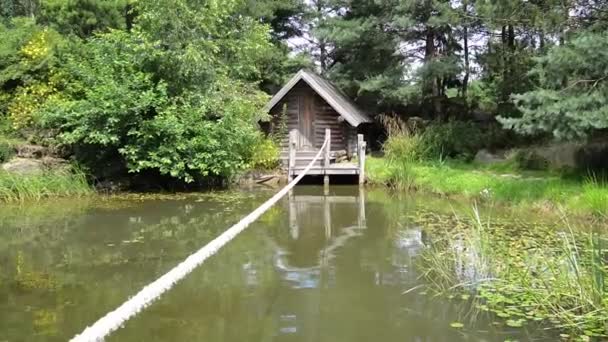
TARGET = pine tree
(576,108)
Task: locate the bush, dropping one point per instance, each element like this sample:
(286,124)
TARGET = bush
(265,155)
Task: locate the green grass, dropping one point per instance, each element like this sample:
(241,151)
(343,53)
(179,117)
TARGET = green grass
(541,189)
(523,273)
(14,188)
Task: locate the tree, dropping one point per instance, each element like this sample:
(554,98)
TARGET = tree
(84,17)
(361,54)
(285,19)
(577,108)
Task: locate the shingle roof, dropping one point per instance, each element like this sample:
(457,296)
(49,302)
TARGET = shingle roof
(330,93)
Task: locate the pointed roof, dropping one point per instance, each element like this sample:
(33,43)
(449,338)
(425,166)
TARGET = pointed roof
(330,93)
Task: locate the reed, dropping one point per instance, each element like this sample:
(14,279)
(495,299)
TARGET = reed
(549,274)
(17,188)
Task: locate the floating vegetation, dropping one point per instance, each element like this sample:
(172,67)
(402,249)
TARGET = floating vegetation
(522,273)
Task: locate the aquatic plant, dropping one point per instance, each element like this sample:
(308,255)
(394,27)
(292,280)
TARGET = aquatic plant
(522,274)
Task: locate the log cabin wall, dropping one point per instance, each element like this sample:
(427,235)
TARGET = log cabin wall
(343,135)
(327,117)
(288,109)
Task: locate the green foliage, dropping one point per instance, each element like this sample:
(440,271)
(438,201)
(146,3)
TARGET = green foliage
(482,96)
(203,41)
(83,17)
(266,154)
(187,111)
(112,104)
(572,101)
(27,78)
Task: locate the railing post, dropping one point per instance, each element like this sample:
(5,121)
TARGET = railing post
(361,157)
(293,139)
(328,146)
(327,152)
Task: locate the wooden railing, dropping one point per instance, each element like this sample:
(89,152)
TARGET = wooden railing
(326,152)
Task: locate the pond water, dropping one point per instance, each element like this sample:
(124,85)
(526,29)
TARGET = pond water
(317,267)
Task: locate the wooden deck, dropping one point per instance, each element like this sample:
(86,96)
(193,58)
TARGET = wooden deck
(333,169)
(326,165)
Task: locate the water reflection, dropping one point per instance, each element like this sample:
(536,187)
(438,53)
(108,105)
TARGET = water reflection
(315,236)
(317,267)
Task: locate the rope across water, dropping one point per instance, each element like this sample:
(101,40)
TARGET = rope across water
(115,319)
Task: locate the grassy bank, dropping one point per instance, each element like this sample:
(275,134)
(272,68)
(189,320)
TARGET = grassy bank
(553,275)
(14,188)
(539,189)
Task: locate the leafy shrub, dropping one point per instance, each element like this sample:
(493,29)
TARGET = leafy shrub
(112,104)
(265,155)
(27,101)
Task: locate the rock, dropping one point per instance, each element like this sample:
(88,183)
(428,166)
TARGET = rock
(55,164)
(113,186)
(484,156)
(29,166)
(24,166)
(482,117)
(30,151)
(271,180)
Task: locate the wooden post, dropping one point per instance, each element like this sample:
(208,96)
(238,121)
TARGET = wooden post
(294,229)
(293,139)
(361,157)
(362,222)
(327,152)
(327,216)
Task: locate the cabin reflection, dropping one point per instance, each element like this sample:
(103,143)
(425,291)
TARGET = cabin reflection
(328,258)
(318,226)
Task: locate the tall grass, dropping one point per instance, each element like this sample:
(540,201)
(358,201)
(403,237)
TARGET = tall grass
(401,149)
(539,190)
(17,188)
(535,274)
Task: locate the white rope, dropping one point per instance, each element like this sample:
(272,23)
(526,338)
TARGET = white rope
(115,319)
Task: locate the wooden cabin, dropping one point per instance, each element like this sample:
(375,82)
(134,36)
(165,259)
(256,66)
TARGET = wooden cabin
(310,104)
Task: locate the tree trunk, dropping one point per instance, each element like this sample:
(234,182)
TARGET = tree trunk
(467,66)
(433,85)
(129,16)
(323,56)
